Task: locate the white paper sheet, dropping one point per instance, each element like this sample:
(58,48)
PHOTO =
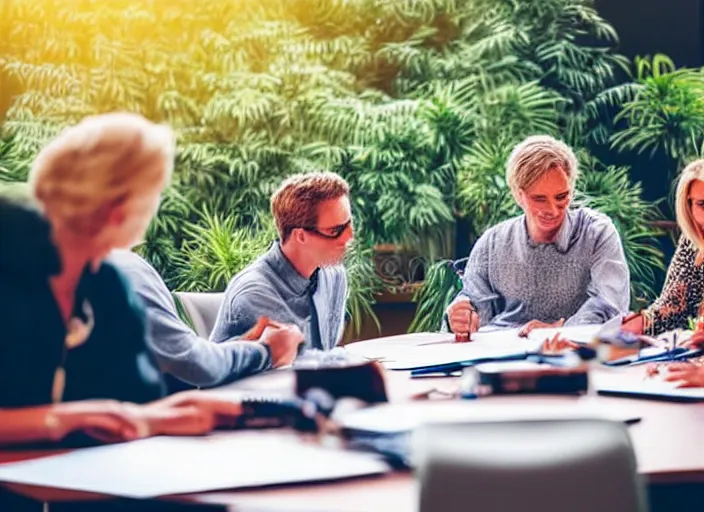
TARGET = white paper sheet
(396,418)
(421,349)
(171,465)
(637,386)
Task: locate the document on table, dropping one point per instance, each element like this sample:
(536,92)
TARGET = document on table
(410,351)
(628,385)
(170,465)
(406,417)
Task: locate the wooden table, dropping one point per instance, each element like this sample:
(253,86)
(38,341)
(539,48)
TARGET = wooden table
(667,443)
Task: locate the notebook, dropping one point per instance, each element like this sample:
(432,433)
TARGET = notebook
(648,388)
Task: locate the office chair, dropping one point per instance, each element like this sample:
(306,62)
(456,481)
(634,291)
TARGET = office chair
(201,309)
(546,466)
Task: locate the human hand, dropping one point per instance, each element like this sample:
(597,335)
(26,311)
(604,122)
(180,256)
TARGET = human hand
(463,317)
(691,375)
(192,413)
(256,332)
(696,341)
(537,324)
(283,342)
(633,323)
(108,421)
(557,344)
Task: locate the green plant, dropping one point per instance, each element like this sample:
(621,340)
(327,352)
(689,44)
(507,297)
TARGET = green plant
(216,249)
(441,285)
(416,103)
(667,112)
(363,284)
(609,190)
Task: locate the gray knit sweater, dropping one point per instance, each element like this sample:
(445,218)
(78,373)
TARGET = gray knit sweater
(271,287)
(582,277)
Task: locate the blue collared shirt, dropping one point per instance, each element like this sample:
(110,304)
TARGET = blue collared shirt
(582,277)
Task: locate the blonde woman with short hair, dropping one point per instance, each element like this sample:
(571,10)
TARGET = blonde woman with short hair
(683,292)
(73,354)
(551,266)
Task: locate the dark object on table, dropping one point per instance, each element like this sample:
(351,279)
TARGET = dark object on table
(271,410)
(530,377)
(341,375)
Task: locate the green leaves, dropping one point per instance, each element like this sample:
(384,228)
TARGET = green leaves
(416,102)
(666,112)
(610,191)
(216,249)
(440,287)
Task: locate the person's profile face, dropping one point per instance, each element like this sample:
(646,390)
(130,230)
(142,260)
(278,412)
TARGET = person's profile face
(545,202)
(695,199)
(328,240)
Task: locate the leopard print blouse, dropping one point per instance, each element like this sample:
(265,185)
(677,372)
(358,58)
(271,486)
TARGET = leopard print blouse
(682,294)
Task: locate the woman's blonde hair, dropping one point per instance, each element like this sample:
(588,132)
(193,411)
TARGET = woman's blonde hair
(102,161)
(685,219)
(531,159)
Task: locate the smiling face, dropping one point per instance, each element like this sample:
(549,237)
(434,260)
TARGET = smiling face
(545,204)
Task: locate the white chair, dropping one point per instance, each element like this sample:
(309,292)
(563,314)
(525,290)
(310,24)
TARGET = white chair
(546,466)
(201,309)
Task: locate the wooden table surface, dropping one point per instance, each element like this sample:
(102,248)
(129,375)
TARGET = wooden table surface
(667,443)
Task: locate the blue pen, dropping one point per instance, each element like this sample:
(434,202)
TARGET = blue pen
(534,357)
(459,365)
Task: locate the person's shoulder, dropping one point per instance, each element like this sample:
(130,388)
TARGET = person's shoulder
(138,271)
(253,274)
(251,282)
(593,221)
(686,246)
(125,258)
(501,232)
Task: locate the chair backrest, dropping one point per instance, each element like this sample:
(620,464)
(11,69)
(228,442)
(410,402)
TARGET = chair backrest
(202,310)
(546,466)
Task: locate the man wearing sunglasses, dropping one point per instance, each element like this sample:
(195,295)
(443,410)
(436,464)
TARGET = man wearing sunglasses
(300,280)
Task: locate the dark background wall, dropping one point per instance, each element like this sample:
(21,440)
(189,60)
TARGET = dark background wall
(673,27)
(647,27)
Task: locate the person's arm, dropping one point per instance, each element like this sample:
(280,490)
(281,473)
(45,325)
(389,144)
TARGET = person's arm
(476,285)
(105,420)
(609,287)
(182,353)
(676,304)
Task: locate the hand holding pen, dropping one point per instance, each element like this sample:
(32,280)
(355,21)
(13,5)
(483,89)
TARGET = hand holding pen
(463,319)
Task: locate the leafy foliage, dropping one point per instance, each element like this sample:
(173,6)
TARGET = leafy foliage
(440,287)
(416,103)
(666,113)
(610,191)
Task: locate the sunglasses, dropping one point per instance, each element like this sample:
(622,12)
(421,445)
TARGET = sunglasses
(334,232)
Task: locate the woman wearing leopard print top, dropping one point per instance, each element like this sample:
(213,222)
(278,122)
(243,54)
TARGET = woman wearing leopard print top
(683,293)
